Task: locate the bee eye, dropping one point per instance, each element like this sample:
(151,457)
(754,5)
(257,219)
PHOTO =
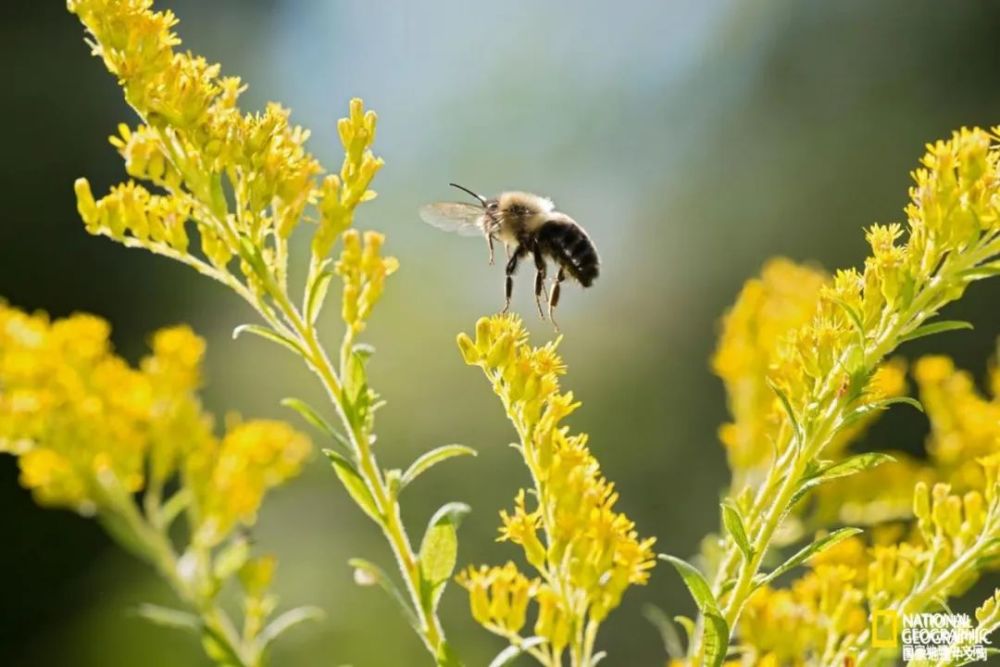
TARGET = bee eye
(494,206)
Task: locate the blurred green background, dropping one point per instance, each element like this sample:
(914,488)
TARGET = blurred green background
(693,140)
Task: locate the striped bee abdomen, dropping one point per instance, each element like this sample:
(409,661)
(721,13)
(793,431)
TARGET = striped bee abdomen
(569,246)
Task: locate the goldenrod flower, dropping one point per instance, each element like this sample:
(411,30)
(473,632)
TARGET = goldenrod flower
(90,432)
(363,271)
(767,308)
(229,478)
(585,552)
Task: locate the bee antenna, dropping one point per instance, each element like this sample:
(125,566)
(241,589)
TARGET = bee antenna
(482,200)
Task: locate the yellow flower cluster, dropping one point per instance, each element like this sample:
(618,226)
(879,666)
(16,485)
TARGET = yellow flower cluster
(964,424)
(363,271)
(823,617)
(782,299)
(768,309)
(86,425)
(229,478)
(196,144)
(585,552)
(953,218)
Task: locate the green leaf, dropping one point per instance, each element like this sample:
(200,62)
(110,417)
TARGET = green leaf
(231,558)
(356,393)
(447,657)
(354,483)
(688,625)
(317,294)
(905,400)
(934,328)
(695,582)
(845,468)
(251,254)
(121,532)
(169,618)
(716,634)
(733,521)
(285,621)
(432,458)
(808,552)
(176,504)
(317,421)
(788,409)
(439,551)
(506,656)
(373,574)
(668,633)
(981,271)
(271,335)
(852,313)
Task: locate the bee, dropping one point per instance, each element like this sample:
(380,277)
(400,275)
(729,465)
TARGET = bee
(526,224)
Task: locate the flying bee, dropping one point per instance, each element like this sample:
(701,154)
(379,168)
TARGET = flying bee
(526,224)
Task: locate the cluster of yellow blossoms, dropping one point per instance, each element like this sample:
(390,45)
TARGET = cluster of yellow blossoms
(91,432)
(585,553)
(823,618)
(803,358)
(198,148)
(241,183)
(83,422)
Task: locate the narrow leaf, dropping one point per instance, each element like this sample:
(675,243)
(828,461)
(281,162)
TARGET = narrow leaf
(376,575)
(668,633)
(695,582)
(354,483)
(506,656)
(852,313)
(317,295)
(439,551)
(845,468)
(981,271)
(432,458)
(447,657)
(287,620)
(598,658)
(716,639)
(934,328)
(733,521)
(906,400)
(250,253)
(788,408)
(316,420)
(808,552)
(271,335)
(169,618)
(688,625)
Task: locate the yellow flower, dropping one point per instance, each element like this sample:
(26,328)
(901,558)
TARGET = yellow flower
(363,271)
(230,479)
(499,596)
(767,308)
(587,554)
(964,424)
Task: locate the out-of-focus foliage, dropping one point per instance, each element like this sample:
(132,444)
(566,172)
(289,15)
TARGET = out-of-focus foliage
(90,432)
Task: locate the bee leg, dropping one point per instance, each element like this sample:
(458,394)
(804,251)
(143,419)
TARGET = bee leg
(539,281)
(554,296)
(519,252)
(489,242)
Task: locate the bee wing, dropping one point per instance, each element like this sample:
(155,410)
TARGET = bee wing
(456,217)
